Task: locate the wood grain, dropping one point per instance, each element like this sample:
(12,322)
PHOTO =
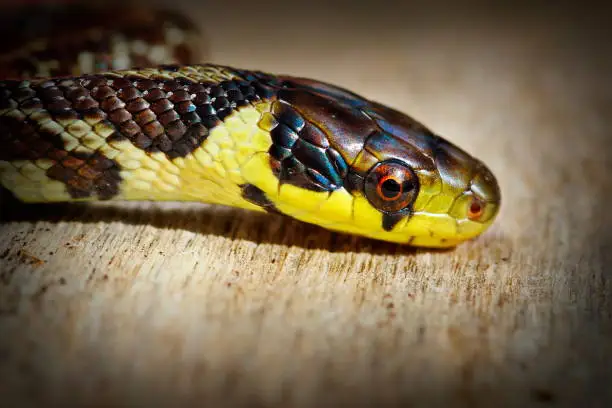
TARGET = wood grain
(191,305)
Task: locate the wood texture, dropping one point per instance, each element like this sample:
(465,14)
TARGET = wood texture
(175,305)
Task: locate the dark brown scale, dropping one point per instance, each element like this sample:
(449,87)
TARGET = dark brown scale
(153,129)
(72,162)
(51,94)
(168,117)
(141,141)
(179,95)
(176,129)
(80,186)
(93,114)
(87,172)
(255,195)
(129,128)
(314,135)
(196,133)
(99,162)
(164,144)
(55,154)
(144,117)
(121,83)
(112,103)
(196,87)
(118,116)
(186,109)
(201,99)
(183,148)
(107,185)
(76,93)
(102,92)
(161,106)
(137,105)
(85,104)
(154,94)
(67,116)
(129,94)
(144,84)
(170,85)
(90,82)
(61,173)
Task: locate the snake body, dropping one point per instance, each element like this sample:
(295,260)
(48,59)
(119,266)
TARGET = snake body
(98,128)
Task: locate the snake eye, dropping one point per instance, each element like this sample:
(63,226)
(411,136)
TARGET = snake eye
(391,186)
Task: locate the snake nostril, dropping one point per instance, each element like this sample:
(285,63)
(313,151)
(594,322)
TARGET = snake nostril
(476,208)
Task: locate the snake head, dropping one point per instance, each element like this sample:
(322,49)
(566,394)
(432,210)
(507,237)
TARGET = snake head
(354,165)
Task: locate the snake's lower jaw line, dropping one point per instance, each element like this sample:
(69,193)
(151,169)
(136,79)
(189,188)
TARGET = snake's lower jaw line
(443,231)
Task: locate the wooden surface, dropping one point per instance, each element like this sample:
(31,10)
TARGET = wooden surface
(174,305)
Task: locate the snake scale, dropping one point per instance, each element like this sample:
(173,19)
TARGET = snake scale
(118,106)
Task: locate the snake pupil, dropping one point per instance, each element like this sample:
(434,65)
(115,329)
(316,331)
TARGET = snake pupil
(391,188)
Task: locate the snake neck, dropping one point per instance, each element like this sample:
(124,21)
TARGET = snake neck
(184,134)
(217,171)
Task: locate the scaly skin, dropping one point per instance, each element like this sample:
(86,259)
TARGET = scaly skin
(213,134)
(80,126)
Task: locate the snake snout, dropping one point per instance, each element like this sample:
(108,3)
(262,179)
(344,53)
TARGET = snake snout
(476,207)
(485,188)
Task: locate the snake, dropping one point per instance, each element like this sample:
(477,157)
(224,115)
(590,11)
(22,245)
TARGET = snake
(100,104)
